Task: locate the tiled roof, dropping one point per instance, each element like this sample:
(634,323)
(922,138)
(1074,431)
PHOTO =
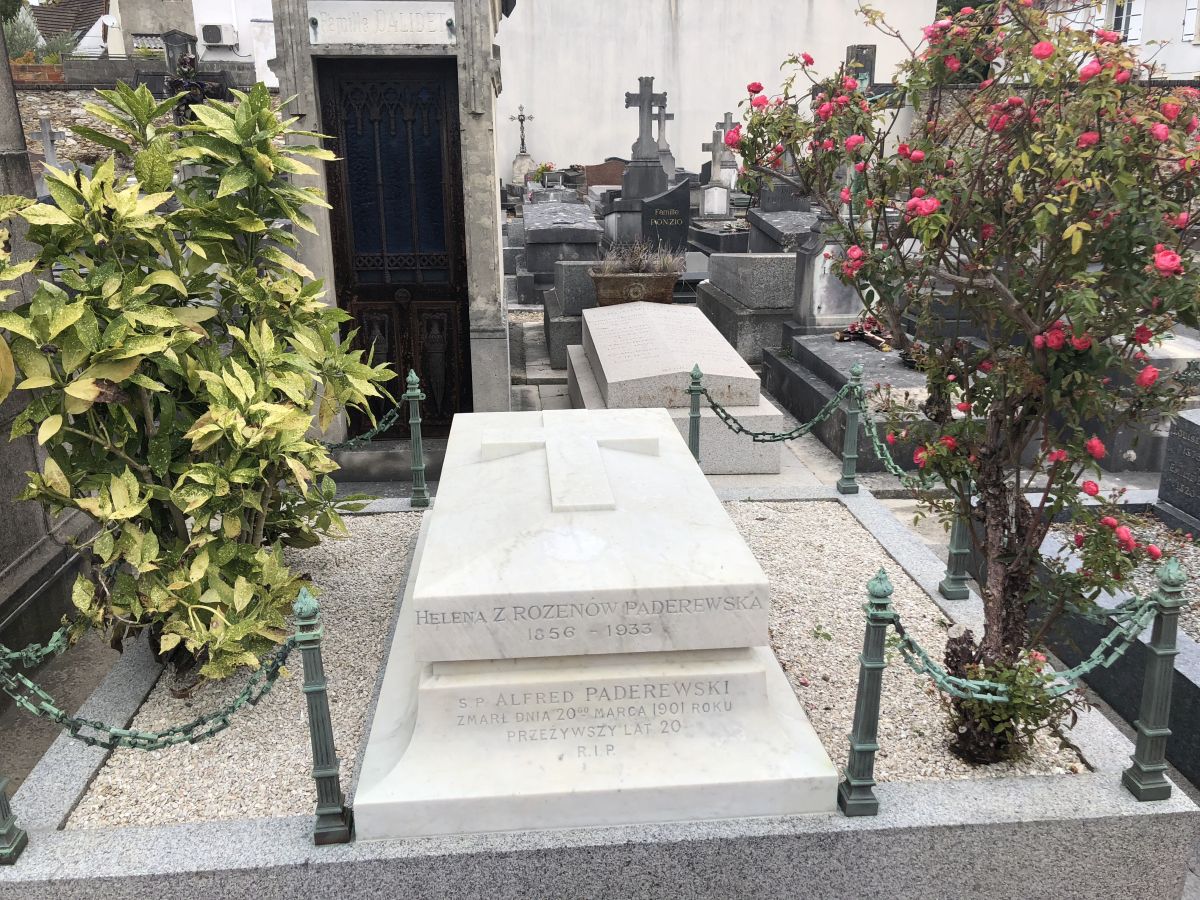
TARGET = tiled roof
(148,42)
(68,16)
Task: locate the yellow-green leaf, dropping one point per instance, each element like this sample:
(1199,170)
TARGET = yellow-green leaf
(83,592)
(83,389)
(167,277)
(55,479)
(1076,242)
(45,214)
(114,370)
(8,370)
(168,641)
(49,428)
(243,593)
(37,381)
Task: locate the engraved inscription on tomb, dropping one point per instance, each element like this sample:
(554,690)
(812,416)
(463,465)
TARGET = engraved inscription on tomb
(380,22)
(1181,467)
(603,719)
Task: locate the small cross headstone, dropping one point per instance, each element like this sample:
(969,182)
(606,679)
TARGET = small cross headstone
(645,100)
(717,149)
(521,118)
(665,156)
(48,136)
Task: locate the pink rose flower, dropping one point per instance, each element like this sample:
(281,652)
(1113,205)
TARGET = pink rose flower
(1108,37)
(845,194)
(1088,139)
(948,442)
(1153,551)
(1042,50)
(1147,377)
(855,141)
(902,151)
(1171,110)
(824,111)
(855,252)
(1090,488)
(891,437)
(759,101)
(1056,456)
(1090,71)
(953,63)
(1160,132)
(1039,341)
(1109,522)
(806,59)
(1142,335)
(849,84)
(733,136)
(963,406)
(1167,262)
(1081,343)
(1095,448)
(1055,339)
(1078,539)
(917,156)
(1122,76)
(920,457)
(754,87)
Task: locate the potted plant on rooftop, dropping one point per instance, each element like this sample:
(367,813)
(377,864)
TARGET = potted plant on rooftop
(632,272)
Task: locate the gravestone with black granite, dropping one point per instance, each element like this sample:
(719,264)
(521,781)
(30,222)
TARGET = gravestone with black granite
(1179,489)
(748,297)
(782,231)
(554,231)
(665,218)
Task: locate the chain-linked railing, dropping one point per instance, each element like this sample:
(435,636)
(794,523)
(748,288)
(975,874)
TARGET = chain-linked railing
(413,397)
(1145,778)
(333,818)
(851,399)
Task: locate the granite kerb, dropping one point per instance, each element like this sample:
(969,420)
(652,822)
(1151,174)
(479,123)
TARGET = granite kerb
(1135,846)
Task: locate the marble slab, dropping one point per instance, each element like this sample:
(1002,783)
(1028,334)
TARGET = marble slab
(580,532)
(506,744)
(642,354)
(722,452)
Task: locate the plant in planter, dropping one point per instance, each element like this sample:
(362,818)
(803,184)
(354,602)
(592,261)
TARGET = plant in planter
(1049,204)
(632,272)
(174,355)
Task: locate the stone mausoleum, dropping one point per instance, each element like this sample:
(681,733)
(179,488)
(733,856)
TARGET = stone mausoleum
(411,244)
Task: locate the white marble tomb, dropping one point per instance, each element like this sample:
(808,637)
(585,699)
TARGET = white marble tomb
(642,354)
(581,642)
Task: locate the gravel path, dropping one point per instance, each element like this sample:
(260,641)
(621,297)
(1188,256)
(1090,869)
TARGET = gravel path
(818,559)
(815,554)
(260,765)
(524,316)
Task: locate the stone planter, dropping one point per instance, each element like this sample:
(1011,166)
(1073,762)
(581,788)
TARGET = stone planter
(630,287)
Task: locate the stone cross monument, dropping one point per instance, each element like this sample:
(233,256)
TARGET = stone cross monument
(665,157)
(729,164)
(644,176)
(523,163)
(717,149)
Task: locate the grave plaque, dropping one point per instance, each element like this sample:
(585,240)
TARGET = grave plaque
(1180,485)
(381,22)
(581,642)
(666,217)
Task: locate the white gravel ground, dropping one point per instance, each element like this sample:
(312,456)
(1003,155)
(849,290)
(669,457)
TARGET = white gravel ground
(818,559)
(260,765)
(816,555)
(1148,530)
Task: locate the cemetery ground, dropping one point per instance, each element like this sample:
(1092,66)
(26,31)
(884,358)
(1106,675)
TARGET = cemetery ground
(244,798)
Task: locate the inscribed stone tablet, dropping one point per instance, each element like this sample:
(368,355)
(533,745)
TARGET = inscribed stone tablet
(580,531)
(1180,484)
(642,354)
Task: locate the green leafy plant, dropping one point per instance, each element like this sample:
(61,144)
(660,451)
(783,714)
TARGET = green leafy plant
(174,353)
(20,34)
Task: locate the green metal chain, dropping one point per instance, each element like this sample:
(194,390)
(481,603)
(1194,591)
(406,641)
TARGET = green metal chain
(390,418)
(34,654)
(884,453)
(767,437)
(29,696)
(1132,618)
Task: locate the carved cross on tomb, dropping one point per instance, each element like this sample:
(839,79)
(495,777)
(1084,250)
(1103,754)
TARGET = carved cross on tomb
(575,466)
(717,149)
(645,100)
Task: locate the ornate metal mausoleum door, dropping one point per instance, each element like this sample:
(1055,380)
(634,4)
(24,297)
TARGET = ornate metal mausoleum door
(398,239)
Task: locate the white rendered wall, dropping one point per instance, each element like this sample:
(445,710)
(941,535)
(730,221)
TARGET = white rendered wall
(570,63)
(255,33)
(1163,22)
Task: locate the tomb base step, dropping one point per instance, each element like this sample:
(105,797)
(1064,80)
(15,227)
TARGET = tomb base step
(502,745)
(389,461)
(721,451)
(803,393)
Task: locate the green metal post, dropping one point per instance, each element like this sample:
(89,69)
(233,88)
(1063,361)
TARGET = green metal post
(856,795)
(954,585)
(335,823)
(1146,779)
(12,838)
(846,484)
(420,496)
(695,389)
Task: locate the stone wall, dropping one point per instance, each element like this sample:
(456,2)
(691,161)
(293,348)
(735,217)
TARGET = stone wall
(64,109)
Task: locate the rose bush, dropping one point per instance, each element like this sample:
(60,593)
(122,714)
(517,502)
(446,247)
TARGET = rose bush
(1048,206)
